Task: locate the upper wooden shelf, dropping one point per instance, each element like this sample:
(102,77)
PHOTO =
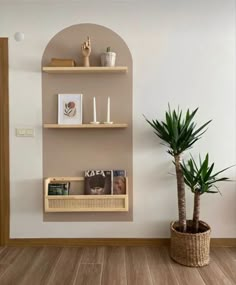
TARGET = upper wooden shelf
(86,126)
(81,69)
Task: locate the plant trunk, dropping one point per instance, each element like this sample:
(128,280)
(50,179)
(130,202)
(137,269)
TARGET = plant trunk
(181,195)
(196,212)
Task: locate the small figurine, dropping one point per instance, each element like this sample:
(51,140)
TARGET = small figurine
(86,50)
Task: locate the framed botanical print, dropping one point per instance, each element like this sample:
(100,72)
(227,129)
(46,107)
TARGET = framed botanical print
(70,109)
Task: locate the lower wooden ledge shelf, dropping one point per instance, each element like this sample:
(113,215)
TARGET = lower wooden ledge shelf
(83,203)
(86,203)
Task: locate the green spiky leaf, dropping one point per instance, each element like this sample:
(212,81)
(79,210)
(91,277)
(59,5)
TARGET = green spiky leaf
(200,177)
(178,130)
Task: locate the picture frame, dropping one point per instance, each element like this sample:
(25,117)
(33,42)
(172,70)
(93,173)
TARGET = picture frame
(70,109)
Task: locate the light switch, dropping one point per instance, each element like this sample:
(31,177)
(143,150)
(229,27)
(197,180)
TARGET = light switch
(20,132)
(29,132)
(25,132)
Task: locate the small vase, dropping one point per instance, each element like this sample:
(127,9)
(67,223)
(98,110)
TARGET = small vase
(108,59)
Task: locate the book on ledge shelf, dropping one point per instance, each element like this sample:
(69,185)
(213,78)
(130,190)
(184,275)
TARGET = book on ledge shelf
(58,188)
(97,182)
(119,182)
(105,182)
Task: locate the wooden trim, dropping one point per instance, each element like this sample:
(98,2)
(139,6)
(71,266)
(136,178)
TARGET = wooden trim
(4,140)
(215,242)
(223,242)
(89,242)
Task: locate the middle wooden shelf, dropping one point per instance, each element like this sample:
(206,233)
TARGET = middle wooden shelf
(86,126)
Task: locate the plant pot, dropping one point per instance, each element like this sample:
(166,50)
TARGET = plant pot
(191,249)
(108,59)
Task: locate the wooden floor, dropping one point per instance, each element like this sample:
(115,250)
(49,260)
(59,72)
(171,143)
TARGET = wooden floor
(110,266)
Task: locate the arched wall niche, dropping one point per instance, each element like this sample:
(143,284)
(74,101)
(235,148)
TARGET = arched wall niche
(68,152)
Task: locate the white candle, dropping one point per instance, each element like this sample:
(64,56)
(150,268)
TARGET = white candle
(108,109)
(94,110)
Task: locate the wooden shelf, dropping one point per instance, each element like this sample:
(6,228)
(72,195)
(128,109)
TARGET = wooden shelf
(81,69)
(86,126)
(83,203)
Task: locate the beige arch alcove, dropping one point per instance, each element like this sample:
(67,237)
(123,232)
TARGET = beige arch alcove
(68,152)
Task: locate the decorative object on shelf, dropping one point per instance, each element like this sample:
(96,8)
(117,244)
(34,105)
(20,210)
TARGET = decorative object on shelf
(94,112)
(108,58)
(86,51)
(70,109)
(98,182)
(62,62)
(108,112)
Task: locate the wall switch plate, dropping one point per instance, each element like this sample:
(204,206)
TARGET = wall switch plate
(25,132)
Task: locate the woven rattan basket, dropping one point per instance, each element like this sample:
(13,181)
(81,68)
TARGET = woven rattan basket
(191,249)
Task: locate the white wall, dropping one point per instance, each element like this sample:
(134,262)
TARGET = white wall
(183,53)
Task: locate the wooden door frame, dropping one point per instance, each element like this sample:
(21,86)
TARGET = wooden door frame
(4,144)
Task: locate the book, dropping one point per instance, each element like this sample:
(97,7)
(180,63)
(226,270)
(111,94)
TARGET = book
(98,182)
(57,62)
(58,188)
(119,182)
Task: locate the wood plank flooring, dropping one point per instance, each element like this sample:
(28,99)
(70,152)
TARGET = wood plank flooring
(110,266)
(114,269)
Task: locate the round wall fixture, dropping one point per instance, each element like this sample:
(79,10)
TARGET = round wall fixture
(19,36)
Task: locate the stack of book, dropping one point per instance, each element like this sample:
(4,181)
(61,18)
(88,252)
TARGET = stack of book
(62,62)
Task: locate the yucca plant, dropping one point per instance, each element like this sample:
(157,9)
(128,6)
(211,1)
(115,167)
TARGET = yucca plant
(179,133)
(200,179)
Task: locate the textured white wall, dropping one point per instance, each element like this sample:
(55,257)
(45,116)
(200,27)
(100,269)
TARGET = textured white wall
(183,53)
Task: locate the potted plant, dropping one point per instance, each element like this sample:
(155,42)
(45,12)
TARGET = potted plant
(193,248)
(179,133)
(108,58)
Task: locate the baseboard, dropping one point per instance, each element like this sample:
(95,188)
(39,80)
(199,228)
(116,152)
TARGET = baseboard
(89,242)
(223,242)
(215,242)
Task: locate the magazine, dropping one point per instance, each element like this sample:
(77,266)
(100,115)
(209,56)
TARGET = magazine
(119,182)
(98,182)
(58,188)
